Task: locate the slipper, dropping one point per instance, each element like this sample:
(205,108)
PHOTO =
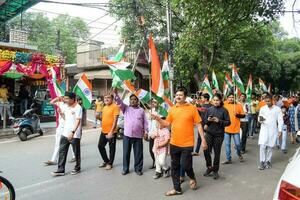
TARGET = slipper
(193,184)
(173,193)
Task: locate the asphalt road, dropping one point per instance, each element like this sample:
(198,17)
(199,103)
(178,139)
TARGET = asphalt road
(22,163)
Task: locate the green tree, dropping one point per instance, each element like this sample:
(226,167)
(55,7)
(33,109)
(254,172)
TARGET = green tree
(43,33)
(207,34)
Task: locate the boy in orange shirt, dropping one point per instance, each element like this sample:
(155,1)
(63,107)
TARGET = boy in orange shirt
(235,112)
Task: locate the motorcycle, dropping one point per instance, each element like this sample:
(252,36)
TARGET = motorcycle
(28,124)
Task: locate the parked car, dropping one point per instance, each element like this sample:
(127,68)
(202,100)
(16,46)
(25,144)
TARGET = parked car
(288,187)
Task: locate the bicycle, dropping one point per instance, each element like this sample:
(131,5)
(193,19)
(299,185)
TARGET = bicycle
(7,191)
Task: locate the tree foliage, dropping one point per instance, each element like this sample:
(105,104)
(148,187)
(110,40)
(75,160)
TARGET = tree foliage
(43,32)
(212,34)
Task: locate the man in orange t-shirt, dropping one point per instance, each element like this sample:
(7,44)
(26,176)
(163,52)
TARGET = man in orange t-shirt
(182,117)
(235,112)
(110,114)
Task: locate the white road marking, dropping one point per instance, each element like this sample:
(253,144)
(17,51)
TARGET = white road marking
(35,185)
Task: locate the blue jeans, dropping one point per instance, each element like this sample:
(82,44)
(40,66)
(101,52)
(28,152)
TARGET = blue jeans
(237,143)
(252,124)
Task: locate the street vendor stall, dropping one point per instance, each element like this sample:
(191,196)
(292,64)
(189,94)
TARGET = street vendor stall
(34,71)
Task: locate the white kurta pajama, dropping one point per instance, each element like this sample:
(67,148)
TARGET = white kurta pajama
(269,131)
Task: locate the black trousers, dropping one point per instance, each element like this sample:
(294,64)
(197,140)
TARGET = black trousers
(184,153)
(151,143)
(137,145)
(63,153)
(213,143)
(112,148)
(244,127)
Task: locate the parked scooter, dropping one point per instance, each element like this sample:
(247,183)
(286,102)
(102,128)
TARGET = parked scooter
(28,124)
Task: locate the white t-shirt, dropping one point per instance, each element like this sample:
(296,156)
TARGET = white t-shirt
(61,106)
(72,113)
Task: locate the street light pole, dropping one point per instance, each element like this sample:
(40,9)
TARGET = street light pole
(170,52)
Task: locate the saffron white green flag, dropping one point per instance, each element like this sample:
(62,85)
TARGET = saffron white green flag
(157,83)
(206,86)
(236,79)
(143,95)
(165,75)
(120,73)
(120,54)
(249,89)
(83,89)
(215,81)
(262,85)
(59,92)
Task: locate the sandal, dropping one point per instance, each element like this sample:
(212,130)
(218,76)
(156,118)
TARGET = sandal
(193,184)
(173,193)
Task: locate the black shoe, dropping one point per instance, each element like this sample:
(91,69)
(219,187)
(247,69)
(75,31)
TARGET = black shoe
(241,159)
(139,173)
(157,175)
(262,166)
(152,167)
(102,165)
(125,173)
(227,162)
(208,171)
(58,173)
(216,175)
(268,165)
(74,172)
(284,151)
(167,173)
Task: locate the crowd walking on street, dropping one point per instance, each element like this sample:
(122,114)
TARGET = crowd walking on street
(175,140)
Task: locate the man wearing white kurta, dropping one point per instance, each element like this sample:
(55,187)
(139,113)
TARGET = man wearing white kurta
(271,120)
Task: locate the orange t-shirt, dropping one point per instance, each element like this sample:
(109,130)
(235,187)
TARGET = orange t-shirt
(108,115)
(261,104)
(182,119)
(235,125)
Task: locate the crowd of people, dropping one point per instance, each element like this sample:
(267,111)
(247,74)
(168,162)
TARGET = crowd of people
(273,118)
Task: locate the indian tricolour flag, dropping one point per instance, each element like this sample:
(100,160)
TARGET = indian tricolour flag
(120,54)
(249,89)
(143,95)
(120,73)
(206,86)
(228,80)
(165,75)
(157,84)
(262,85)
(59,92)
(117,58)
(83,89)
(215,81)
(236,79)
(225,90)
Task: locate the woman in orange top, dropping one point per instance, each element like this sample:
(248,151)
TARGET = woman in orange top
(235,112)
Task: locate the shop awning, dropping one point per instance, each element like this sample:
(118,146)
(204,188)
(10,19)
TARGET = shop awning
(11,8)
(95,74)
(105,73)
(145,71)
